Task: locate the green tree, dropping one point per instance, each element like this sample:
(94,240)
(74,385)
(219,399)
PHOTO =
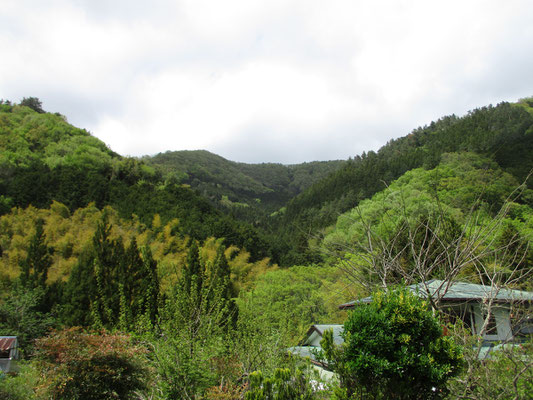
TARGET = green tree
(195,323)
(79,292)
(220,292)
(108,257)
(394,349)
(285,384)
(138,289)
(20,386)
(148,302)
(34,268)
(34,103)
(21,316)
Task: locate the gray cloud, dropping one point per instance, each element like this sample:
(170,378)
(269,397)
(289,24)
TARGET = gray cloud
(281,81)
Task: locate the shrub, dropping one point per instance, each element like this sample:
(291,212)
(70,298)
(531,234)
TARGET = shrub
(394,349)
(81,365)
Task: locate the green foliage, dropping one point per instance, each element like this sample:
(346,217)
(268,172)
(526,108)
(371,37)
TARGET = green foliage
(107,270)
(284,384)
(203,298)
(184,364)
(394,349)
(21,316)
(34,103)
(248,191)
(45,159)
(196,320)
(79,365)
(435,212)
(289,300)
(34,269)
(111,286)
(20,386)
(502,133)
(501,371)
(256,343)
(79,290)
(507,374)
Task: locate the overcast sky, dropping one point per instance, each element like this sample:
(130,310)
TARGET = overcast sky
(263,81)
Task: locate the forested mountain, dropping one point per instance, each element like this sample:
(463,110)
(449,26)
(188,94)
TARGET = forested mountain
(45,159)
(237,187)
(180,249)
(433,212)
(503,133)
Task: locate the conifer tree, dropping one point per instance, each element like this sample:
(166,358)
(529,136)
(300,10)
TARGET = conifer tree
(193,273)
(220,291)
(34,268)
(149,304)
(108,255)
(139,288)
(79,292)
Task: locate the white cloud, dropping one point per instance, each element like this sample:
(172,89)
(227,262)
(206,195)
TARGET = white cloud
(263,81)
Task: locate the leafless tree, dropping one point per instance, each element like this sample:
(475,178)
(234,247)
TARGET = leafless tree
(432,246)
(428,246)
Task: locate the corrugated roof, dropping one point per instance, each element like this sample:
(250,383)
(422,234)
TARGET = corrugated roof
(471,291)
(459,291)
(7,342)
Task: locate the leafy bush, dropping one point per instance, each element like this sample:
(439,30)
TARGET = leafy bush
(506,373)
(394,349)
(19,386)
(285,384)
(79,365)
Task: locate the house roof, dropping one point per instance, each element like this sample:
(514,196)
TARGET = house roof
(321,328)
(7,342)
(458,291)
(304,351)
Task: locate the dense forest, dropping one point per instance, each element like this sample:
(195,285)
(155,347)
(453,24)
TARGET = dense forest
(242,189)
(182,275)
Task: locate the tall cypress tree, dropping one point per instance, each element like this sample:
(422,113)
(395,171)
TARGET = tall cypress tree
(108,256)
(149,304)
(79,291)
(34,268)
(139,288)
(193,274)
(222,291)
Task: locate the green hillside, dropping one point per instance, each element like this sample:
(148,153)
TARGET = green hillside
(45,159)
(466,199)
(503,133)
(236,187)
(190,273)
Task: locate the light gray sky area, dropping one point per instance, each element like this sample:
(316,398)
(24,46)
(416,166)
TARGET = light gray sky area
(263,81)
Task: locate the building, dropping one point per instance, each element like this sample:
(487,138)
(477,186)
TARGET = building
(508,321)
(8,353)
(308,347)
(470,303)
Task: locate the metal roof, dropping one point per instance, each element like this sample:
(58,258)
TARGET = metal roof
(456,291)
(7,342)
(321,328)
(337,330)
(305,351)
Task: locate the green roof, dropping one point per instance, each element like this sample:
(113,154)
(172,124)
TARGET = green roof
(337,330)
(459,291)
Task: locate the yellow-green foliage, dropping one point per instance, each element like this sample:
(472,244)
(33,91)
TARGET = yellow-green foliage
(243,272)
(69,235)
(466,191)
(526,104)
